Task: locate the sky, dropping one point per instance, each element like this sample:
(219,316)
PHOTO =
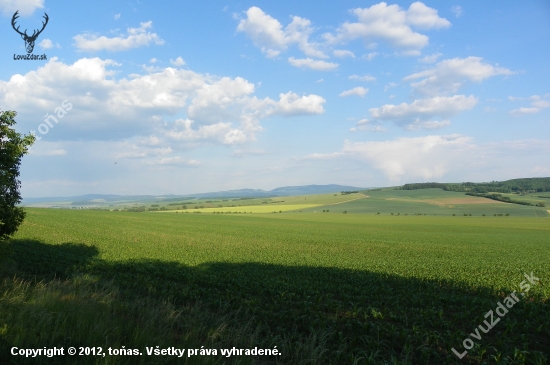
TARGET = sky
(180,97)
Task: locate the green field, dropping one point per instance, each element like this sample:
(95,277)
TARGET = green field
(324,288)
(432,201)
(271,208)
(385,201)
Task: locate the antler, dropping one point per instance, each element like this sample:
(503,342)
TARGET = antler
(43,25)
(13,19)
(34,34)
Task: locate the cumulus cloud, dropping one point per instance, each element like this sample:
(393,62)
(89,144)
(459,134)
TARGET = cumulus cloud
(448,76)
(428,157)
(419,113)
(268,34)
(366,78)
(220,110)
(312,64)
(135,37)
(341,53)
(46,44)
(437,157)
(537,104)
(25,7)
(390,23)
(177,62)
(359,91)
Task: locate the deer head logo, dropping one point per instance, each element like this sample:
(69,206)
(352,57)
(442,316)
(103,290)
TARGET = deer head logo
(29,39)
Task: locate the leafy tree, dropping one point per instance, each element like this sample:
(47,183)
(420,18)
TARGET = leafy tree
(12,148)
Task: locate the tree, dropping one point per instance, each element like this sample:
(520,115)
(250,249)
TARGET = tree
(12,148)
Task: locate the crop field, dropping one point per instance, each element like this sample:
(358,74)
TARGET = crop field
(271,208)
(324,288)
(433,201)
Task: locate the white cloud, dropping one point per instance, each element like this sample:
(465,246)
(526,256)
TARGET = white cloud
(135,37)
(341,53)
(219,110)
(428,157)
(450,75)
(177,62)
(291,104)
(424,17)
(153,60)
(366,78)
(449,157)
(431,124)
(177,160)
(46,44)
(367,125)
(419,113)
(41,152)
(268,34)
(541,104)
(457,11)
(117,16)
(390,23)
(537,104)
(370,56)
(359,91)
(25,7)
(431,58)
(312,64)
(390,85)
(523,110)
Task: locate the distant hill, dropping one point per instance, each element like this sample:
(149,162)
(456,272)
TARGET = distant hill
(100,199)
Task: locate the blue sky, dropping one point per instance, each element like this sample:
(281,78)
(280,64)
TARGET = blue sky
(190,97)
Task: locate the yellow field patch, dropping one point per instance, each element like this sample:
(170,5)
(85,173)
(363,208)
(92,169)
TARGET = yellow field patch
(264,208)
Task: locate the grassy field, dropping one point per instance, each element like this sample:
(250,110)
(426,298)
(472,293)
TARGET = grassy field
(324,288)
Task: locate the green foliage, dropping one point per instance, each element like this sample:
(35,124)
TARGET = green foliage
(529,185)
(12,148)
(428,185)
(502,198)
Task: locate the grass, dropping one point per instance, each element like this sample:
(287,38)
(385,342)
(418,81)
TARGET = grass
(323,288)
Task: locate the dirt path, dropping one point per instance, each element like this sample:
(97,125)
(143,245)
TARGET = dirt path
(363,196)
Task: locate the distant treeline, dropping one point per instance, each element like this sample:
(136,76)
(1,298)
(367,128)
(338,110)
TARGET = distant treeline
(505,199)
(348,192)
(531,185)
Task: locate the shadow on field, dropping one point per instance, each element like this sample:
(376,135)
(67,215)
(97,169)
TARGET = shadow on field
(36,259)
(315,315)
